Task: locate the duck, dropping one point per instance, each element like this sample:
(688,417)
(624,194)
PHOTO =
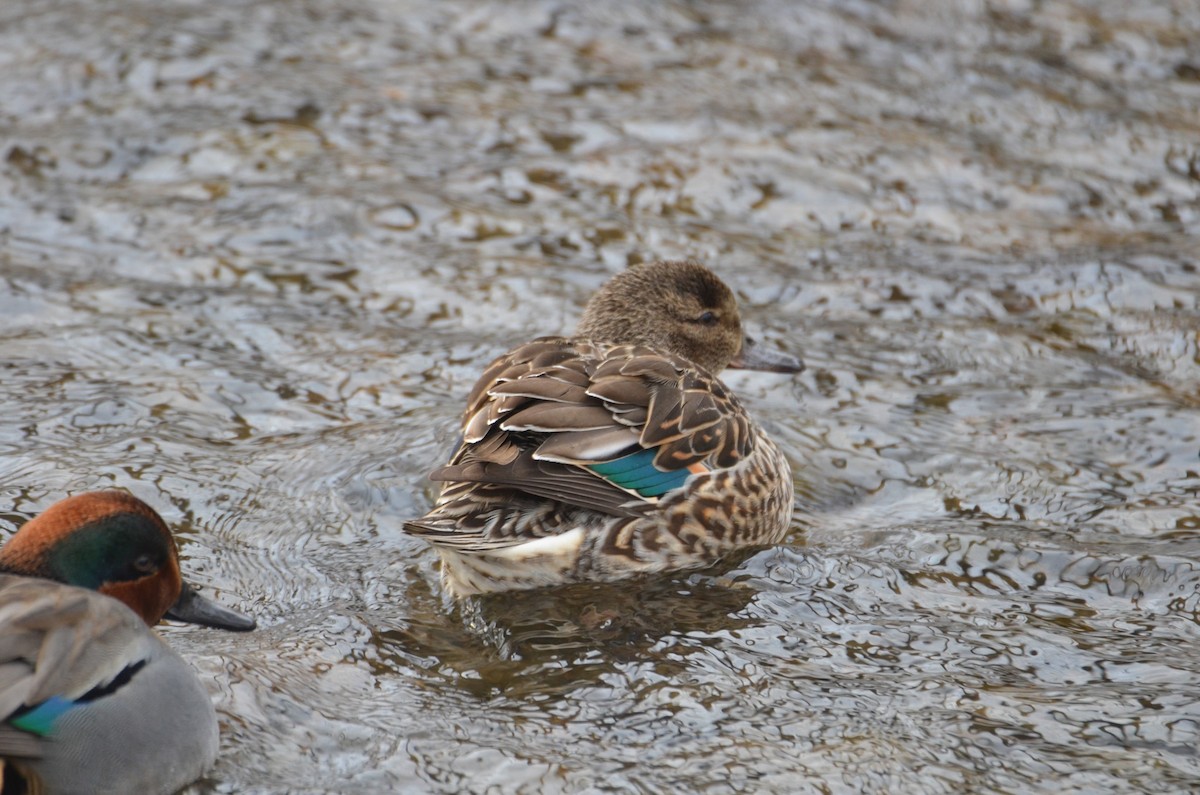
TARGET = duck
(91,699)
(614,452)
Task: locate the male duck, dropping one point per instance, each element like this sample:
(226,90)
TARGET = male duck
(91,700)
(614,452)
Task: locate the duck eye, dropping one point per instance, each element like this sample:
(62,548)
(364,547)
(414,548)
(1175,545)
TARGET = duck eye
(144,564)
(707,319)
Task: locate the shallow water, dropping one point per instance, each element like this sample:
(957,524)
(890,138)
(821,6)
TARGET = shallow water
(253,255)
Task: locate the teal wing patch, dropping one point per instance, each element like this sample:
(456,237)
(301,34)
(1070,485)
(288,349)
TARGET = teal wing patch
(40,720)
(637,473)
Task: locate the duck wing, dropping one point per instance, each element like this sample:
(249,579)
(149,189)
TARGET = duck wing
(58,644)
(600,427)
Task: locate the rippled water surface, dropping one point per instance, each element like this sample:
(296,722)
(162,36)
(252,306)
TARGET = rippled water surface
(252,255)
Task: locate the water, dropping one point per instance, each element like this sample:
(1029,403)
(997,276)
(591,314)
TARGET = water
(252,256)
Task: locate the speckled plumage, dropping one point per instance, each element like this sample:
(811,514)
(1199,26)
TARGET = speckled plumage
(613,453)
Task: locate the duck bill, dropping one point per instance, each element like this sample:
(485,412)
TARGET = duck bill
(755,357)
(193,608)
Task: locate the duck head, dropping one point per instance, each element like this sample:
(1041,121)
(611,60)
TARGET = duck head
(678,307)
(112,542)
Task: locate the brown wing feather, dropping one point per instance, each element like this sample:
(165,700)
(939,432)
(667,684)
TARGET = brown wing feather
(558,417)
(585,447)
(543,387)
(540,414)
(560,482)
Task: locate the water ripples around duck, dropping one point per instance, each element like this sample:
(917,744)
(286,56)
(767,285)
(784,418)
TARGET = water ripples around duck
(252,257)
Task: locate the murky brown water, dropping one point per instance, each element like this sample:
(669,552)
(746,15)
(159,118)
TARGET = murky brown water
(252,255)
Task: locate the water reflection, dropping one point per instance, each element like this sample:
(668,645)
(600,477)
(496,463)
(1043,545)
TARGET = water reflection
(252,258)
(578,632)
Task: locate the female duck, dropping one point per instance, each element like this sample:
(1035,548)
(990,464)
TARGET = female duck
(91,700)
(614,452)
